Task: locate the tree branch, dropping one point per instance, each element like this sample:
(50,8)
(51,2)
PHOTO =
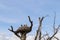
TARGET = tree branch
(56,38)
(11,29)
(14,32)
(30,21)
(39,28)
(54,33)
(54,22)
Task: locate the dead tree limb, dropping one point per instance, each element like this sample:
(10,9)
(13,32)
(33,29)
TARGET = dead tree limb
(56,38)
(55,29)
(54,23)
(54,33)
(30,22)
(14,32)
(23,30)
(39,28)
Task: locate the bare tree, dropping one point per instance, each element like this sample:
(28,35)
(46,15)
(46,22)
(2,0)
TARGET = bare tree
(23,30)
(39,33)
(39,29)
(55,30)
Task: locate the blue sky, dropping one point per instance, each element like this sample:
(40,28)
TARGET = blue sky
(15,12)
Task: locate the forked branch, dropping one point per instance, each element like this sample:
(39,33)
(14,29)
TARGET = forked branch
(11,29)
(14,32)
(39,28)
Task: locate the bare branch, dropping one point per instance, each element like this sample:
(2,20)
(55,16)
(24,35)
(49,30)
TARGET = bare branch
(39,29)
(30,21)
(14,32)
(11,29)
(56,38)
(54,33)
(55,29)
(54,22)
(36,35)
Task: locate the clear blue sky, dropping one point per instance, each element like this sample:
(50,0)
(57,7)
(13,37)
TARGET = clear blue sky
(15,12)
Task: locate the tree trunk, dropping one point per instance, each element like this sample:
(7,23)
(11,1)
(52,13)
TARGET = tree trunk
(23,37)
